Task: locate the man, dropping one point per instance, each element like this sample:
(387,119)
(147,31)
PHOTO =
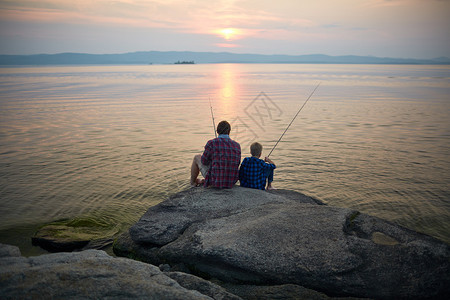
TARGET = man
(219,163)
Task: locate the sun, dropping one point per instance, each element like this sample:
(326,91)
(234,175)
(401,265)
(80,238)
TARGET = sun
(228,33)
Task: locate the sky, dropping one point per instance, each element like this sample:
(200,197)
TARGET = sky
(383,28)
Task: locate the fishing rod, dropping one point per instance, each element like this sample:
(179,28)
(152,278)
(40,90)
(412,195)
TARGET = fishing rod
(293,119)
(212,115)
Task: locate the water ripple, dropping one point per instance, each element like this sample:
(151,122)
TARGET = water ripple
(105,143)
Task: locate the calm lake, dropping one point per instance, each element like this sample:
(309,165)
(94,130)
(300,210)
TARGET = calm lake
(108,142)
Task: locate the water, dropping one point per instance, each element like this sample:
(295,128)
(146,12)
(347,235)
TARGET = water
(107,142)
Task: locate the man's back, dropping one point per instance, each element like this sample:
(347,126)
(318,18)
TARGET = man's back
(223,155)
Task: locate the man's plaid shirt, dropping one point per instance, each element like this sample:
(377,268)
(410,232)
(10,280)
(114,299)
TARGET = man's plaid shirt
(252,173)
(223,156)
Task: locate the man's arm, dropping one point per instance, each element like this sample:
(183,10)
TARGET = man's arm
(241,170)
(207,154)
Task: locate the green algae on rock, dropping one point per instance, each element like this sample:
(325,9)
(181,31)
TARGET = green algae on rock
(79,233)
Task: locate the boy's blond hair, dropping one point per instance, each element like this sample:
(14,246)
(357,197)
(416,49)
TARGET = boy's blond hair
(256,149)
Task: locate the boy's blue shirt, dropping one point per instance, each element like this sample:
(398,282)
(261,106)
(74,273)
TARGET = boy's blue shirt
(252,173)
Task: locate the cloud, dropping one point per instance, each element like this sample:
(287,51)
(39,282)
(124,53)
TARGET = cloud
(200,16)
(224,45)
(125,13)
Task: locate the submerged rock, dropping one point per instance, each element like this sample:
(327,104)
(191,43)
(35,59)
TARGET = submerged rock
(285,238)
(81,233)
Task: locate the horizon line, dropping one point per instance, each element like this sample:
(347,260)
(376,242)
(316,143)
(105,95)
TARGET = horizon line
(233,53)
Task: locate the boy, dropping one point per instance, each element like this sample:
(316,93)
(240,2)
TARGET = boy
(254,171)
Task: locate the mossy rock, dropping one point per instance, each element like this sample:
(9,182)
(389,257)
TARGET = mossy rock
(75,234)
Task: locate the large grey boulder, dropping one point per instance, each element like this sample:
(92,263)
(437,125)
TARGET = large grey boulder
(166,221)
(90,274)
(261,238)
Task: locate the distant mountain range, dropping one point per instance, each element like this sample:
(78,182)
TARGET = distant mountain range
(170,57)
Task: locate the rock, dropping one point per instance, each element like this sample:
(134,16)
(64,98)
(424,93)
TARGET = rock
(205,287)
(284,292)
(80,233)
(90,274)
(260,238)
(9,251)
(166,221)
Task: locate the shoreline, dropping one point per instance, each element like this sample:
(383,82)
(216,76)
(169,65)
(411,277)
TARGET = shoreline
(169,57)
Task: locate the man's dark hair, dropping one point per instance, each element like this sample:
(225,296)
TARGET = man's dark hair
(223,128)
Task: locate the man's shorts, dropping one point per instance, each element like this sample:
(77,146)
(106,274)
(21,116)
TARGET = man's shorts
(203,168)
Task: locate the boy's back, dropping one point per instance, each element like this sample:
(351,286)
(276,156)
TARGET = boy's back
(253,172)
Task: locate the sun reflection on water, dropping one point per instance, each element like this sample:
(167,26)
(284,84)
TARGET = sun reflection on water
(228,90)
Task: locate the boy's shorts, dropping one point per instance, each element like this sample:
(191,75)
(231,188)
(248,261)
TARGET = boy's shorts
(203,168)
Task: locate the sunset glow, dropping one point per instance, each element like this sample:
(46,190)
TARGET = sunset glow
(228,33)
(385,28)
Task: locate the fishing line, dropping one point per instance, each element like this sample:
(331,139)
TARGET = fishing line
(293,119)
(212,115)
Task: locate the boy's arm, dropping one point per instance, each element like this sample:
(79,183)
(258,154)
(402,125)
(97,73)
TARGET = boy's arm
(267,159)
(269,163)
